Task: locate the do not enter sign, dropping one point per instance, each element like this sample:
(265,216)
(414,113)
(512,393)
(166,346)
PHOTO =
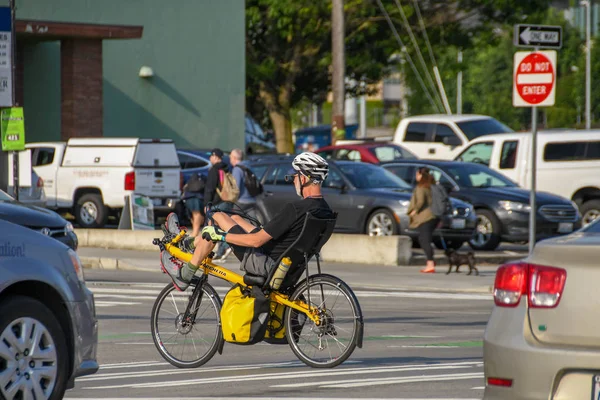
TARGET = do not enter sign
(534,78)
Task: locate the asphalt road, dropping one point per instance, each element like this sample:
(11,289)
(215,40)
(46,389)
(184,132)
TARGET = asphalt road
(418,345)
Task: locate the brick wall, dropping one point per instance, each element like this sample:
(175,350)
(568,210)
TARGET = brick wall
(81,85)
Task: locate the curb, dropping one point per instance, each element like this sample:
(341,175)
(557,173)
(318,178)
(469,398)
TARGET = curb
(109,264)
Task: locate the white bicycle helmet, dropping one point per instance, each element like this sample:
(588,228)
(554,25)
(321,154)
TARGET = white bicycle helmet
(312,166)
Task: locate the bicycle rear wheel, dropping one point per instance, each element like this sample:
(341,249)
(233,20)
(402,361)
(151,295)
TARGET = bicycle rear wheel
(334,340)
(187,341)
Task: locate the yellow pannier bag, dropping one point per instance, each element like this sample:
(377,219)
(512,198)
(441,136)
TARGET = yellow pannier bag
(244,315)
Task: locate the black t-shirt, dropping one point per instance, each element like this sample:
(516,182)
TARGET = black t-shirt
(285,227)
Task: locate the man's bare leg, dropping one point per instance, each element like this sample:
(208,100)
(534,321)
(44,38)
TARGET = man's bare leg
(247,226)
(204,247)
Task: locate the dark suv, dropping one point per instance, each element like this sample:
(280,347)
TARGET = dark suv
(48,325)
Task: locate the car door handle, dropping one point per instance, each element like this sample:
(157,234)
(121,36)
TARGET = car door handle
(431,151)
(267,194)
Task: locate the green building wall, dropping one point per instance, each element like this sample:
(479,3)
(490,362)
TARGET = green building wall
(194,47)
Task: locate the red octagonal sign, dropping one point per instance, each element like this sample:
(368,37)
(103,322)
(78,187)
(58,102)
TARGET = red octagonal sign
(534,79)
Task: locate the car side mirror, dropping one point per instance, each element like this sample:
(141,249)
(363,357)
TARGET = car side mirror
(452,141)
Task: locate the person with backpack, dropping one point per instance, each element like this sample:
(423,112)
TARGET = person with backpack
(217,179)
(422,216)
(249,185)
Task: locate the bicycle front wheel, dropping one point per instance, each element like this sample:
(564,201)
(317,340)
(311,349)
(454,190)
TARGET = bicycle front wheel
(187,341)
(334,340)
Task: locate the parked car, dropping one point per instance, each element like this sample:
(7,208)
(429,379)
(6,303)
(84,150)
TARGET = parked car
(194,162)
(442,136)
(48,324)
(565,159)
(90,177)
(502,206)
(38,219)
(369,152)
(542,340)
(368,198)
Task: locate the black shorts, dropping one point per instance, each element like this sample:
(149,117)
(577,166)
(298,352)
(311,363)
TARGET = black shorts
(253,261)
(239,251)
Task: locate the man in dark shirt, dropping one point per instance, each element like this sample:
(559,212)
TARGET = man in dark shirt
(256,248)
(213,180)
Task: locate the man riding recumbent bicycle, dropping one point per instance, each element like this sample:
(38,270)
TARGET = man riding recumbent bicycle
(319,316)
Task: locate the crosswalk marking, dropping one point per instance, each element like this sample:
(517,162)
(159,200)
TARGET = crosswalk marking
(287,375)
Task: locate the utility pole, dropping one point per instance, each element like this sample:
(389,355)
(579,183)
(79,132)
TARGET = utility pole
(588,63)
(338,70)
(459,86)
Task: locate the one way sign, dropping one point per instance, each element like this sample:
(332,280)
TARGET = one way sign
(543,36)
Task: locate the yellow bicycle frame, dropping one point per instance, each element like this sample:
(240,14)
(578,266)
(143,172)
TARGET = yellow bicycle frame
(212,269)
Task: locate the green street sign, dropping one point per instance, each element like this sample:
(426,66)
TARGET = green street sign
(12,125)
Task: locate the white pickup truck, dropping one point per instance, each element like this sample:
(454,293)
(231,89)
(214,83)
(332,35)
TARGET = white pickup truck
(441,136)
(90,177)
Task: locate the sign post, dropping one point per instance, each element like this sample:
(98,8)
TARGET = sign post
(10,142)
(534,85)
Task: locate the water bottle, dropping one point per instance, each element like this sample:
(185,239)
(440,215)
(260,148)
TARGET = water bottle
(282,270)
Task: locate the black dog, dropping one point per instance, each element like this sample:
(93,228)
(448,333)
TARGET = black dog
(457,259)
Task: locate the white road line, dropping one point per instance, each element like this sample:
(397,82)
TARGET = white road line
(256,398)
(114,303)
(286,375)
(393,381)
(127,375)
(131,365)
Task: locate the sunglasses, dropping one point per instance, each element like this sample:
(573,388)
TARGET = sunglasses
(290,178)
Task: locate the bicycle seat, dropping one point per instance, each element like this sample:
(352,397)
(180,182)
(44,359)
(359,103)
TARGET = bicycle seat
(254,280)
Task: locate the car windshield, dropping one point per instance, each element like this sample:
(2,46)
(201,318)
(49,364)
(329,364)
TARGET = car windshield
(480,127)
(369,176)
(5,197)
(472,175)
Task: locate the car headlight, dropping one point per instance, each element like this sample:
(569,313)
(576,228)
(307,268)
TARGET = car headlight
(69,228)
(514,206)
(77,265)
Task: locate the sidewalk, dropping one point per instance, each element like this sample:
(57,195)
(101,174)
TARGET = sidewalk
(371,277)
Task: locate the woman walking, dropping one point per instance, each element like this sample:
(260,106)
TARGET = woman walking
(421,216)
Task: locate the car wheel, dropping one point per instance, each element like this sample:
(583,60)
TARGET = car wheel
(450,244)
(487,231)
(90,211)
(33,351)
(590,210)
(381,223)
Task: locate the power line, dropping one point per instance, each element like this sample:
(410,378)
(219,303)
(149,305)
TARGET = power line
(424,30)
(436,70)
(412,64)
(418,49)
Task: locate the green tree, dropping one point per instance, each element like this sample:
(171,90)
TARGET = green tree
(288,55)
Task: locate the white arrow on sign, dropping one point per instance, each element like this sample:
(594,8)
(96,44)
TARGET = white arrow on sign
(539,36)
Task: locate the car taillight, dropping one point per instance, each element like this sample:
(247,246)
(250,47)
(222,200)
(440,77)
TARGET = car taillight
(510,284)
(543,286)
(546,286)
(499,382)
(40,182)
(181,181)
(130,181)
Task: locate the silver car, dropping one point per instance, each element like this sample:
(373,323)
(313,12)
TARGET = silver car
(542,340)
(48,325)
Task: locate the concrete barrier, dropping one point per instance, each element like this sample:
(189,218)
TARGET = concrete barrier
(346,248)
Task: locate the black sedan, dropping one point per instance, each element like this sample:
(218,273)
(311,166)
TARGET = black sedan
(42,220)
(502,206)
(368,199)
